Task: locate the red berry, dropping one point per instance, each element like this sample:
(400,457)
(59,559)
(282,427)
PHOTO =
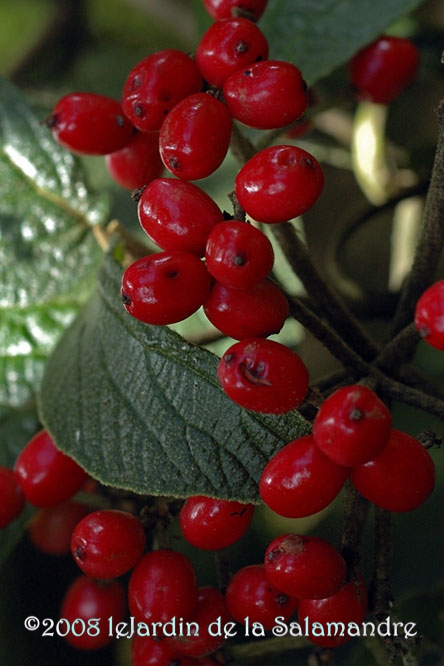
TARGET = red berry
(45,474)
(429,315)
(383,69)
(324,616)
(238,255)
(219,9)
(162,586)
(12,500)
(352,426)
(90,124)
(156,84)
(86,607)
(263,376)
(250,595)
(107,543)
(195,137)
(165,287)
(209,616)
(178,215)
(149,651)
(279,183)
(138,163)
(304,566)
(299,480)
(401,478)
(267,94)
(246,313)
(51,528)
(211,524)
(228,45)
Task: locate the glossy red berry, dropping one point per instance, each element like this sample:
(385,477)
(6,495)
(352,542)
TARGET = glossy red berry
(156,84)
(228,45)
(12,500)
(177,215)
(238,255)
(352,426)
(150,651)
(250,595)
(45,474)
(304,566)
(266,95)
(162,586)
(299,480)
(195,137)
(429,315)
(204,637)
(219,9)
(383,69)
(247,313)
(348,605)
(107,543)
(51,528)
(401,478)
(279,183)
(138,163)
(263,376)
(165,287)
(86,607)
(211,524)
(90,124)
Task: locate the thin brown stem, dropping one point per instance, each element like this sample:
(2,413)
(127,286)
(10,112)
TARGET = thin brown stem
(354,517)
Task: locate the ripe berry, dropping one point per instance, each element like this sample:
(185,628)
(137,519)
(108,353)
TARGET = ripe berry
(250,595)
(401,478)
(177,215)
(165,287)
(87,599)
(228,45)
(195,137)
(51,528)
(46,475)
(266,95)
(279,183)
(210,613)
(352,426)
(138,163)
(263,376)
(156,84)
(12,500)
(238,255)
(347,605)
(107,543)
(247,313)
(383,69)
(90,124)
(162,585)
(304,566)
(211,524)
(299,480)
(219,9)
(429,315)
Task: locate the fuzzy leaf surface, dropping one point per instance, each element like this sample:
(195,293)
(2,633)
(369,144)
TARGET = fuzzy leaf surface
(141,409)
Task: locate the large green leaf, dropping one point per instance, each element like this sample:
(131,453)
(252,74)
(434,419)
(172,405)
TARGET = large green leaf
(320,35)
(48,256)
(141,409)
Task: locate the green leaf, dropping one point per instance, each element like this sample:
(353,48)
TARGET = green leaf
(48,255)
(141,409)
(320,36)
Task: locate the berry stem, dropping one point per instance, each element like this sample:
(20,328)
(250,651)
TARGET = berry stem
(430,241)
(354,517)
(392,389)
(324,298)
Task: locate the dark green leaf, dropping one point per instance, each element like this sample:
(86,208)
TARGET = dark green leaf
(320,36)
(141,409)
(48,256)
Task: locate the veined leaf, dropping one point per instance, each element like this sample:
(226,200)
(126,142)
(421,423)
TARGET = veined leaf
(140,408)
